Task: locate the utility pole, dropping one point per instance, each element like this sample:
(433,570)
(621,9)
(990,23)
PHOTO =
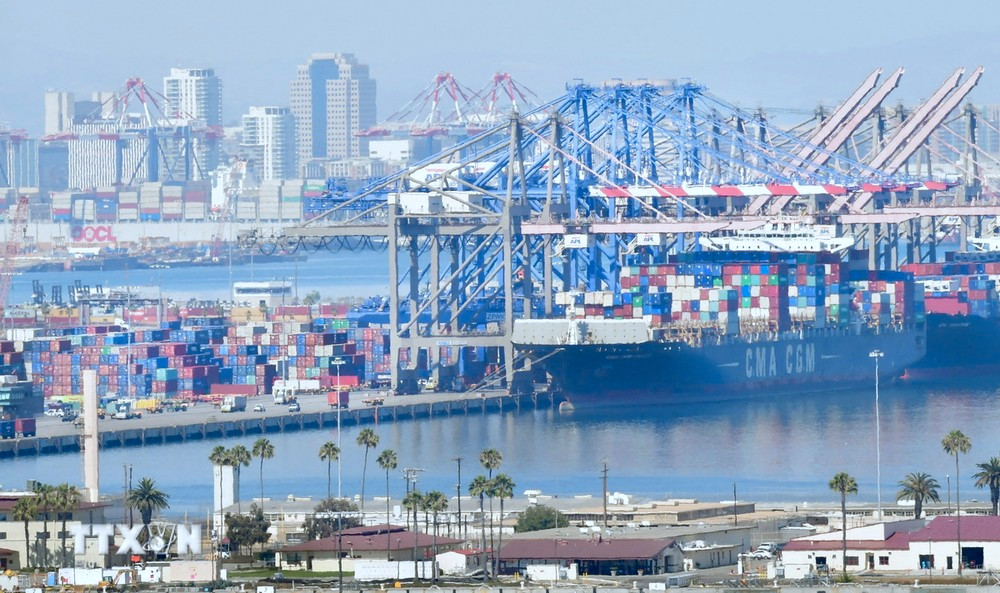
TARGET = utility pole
(458,490)
(734,504)
(604,482)
(412,474)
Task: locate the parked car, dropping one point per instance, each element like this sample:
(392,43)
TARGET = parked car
(295,407)
(55,412)
(69,416)
(258,408)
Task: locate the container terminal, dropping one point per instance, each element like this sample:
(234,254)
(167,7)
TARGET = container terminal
(630,220)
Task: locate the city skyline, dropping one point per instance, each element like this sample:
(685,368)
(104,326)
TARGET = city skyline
(761,59)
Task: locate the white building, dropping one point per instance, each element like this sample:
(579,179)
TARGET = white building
(269,141)
(899,546)
(194,98)
(332,98)
(59,110)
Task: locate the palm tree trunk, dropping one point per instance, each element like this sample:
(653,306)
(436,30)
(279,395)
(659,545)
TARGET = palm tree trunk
(435,544)
(843,515)
(262,482)
(62,536)
(328,463)
(388,537)
(236,479)
(492,547)
(364,473)
(45,540)
(27,547)
(958,519)
(496,554)
(416,530)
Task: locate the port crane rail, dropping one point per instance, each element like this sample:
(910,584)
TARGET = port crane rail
(559,197)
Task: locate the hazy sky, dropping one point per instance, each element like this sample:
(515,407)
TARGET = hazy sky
(781,53)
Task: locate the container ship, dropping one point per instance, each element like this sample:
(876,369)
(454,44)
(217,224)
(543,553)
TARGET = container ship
(730,324)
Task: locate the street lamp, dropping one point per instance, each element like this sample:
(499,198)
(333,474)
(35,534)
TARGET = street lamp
(877,354)
(337,362)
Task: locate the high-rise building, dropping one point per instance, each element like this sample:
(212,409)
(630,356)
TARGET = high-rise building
(269,141)
(59,111)
(194,93)
(332,98)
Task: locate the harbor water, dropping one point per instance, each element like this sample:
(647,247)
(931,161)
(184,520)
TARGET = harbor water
(781,449)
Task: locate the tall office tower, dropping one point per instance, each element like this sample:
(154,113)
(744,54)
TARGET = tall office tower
(195,95)
(269,139)
(332,98)
(59,110)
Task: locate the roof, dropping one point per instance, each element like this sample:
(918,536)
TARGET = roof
(897,541)
(470,552)
(569,549)
(374,529)
(7,504)
(975,528)
(7,552)
(372,543)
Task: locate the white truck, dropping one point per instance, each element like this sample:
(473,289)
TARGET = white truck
(234,403)
(285,391)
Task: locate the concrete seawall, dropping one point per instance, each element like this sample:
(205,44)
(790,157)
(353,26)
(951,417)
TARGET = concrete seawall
(153,430)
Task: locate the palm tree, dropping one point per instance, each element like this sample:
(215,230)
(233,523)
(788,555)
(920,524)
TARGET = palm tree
(262,449)
(44,496)
(412,502)
(435,502)
(844,484)
(989,475)
(369,440)
(501,487)
(67,500)
(387,460)
(918,487)
(239,457)
(146,498)
(329,452)
(954,443)
(478,488)
(491,460)
(220,457)
(25,510)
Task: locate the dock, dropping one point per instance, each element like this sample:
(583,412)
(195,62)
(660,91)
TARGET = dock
(205,422)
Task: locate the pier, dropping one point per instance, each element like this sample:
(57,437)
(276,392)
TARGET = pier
(204,421)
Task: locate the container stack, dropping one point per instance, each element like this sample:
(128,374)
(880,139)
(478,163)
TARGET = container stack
(128,205)
(246,208)
(106,204)
(172,205)
(196,198)
(291,199)
(149,201)
(269,201)
(62,206)
(884,297)
(961,295)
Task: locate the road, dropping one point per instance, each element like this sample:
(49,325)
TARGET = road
(200,413)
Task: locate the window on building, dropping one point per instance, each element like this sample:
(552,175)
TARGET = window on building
(3,535)
(883,561)
(853,561)
(820,560)
(926,561)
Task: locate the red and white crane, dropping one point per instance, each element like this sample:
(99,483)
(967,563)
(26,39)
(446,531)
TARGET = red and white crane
(17,234)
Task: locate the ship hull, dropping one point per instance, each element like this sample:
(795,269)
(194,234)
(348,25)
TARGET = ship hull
(728,369)
(958,347)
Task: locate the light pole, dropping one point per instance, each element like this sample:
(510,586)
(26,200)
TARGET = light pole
(337,362)
(458,487)
(877,354)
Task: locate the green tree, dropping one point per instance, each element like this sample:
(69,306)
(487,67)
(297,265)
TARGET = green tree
(66,500)
(434,502)
(844,484)
(25,510)
(989,475)
(312,297)
(413,501)
(501,487)
(323,523)
(491,459)
(329,452)
(387,460)
(146,499)
(918,487)
(262,449)
(220,457)
(239,458)
(246,531)
(368,439)
(954,443)
(539,517)
(45,497)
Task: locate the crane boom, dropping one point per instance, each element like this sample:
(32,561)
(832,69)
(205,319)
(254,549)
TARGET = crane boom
(17,232)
